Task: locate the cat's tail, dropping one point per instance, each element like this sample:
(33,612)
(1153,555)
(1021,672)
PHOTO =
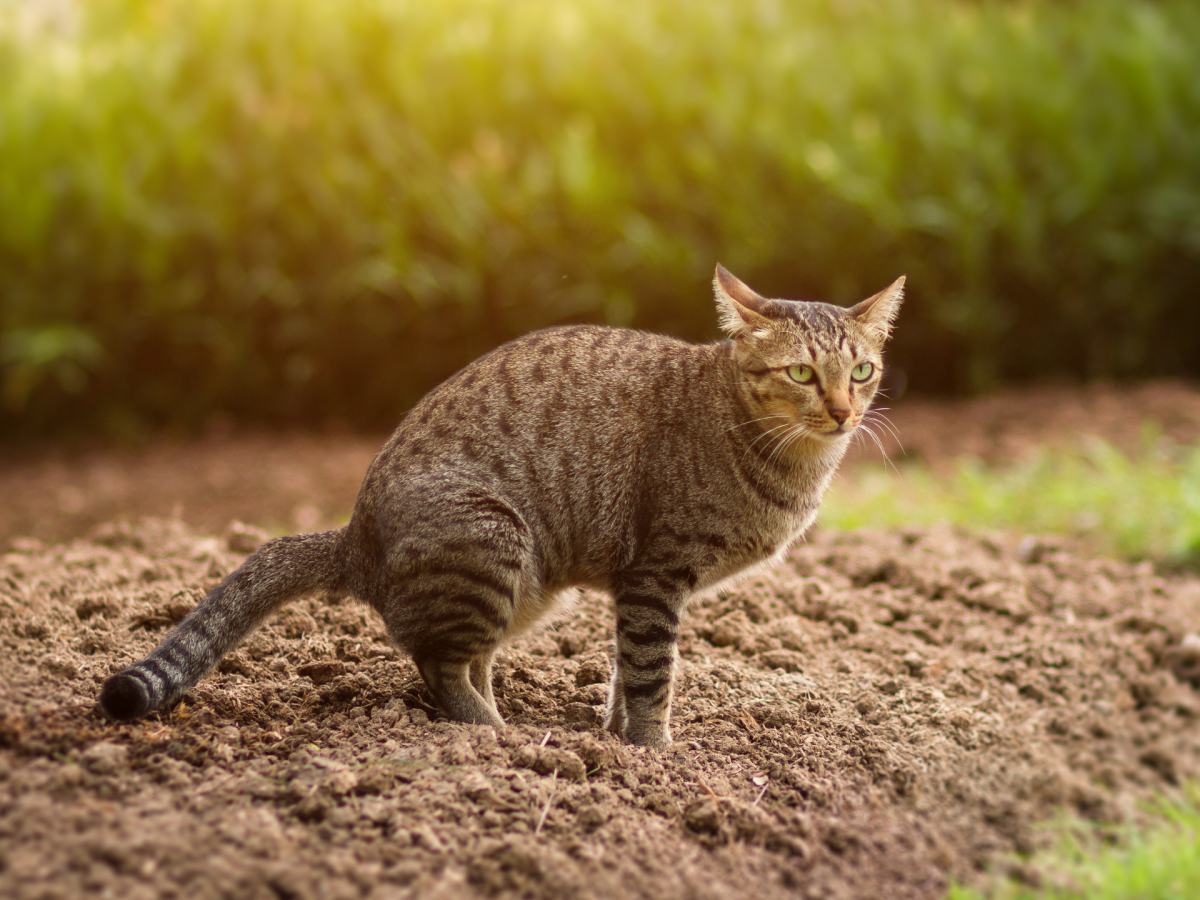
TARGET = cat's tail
(281,570)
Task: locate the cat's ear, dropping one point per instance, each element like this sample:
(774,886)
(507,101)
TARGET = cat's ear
(740,309)
(878,313)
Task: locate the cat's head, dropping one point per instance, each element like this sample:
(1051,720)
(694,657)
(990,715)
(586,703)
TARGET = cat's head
(805,364)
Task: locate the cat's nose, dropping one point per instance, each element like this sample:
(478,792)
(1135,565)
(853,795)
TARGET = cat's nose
(840,414)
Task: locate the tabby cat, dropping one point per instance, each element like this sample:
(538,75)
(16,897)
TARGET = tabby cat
(614,459)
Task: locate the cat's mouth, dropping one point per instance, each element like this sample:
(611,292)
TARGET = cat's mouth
(831,431)
(837,431)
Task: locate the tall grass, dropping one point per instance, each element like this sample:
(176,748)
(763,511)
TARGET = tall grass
(1145,505)
(312,208)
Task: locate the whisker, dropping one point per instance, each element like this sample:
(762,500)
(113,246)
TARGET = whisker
(799,435)
(880,420)
(761,436)
(878,412)
(797,432)
(782,443)
(892,433)
(866,429)
(877,416)
(768,431)
(792,426)
(887,460)
(752,421)
(867,432)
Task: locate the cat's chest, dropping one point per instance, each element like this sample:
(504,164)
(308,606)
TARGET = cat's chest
(753,547)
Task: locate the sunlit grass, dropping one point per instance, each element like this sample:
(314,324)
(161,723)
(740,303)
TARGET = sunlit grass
(1141,506)
(1159,862)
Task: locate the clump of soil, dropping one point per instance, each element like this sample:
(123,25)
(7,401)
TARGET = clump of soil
(877,715)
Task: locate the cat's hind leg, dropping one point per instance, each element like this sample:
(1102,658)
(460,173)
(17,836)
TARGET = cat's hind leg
(453,640)
(614,709)
(451,686)
(450,592)
(481,677)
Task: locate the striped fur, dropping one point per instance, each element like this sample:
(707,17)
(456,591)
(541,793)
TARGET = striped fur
(625,461)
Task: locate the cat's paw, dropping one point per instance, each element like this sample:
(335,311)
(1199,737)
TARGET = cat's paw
(655,735)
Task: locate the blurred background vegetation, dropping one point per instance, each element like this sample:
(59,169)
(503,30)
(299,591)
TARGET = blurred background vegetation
(1140,506)
(313,210)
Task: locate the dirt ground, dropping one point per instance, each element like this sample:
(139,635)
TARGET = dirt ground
(878,715)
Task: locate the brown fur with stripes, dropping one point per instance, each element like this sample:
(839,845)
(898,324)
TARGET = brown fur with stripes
(629,462)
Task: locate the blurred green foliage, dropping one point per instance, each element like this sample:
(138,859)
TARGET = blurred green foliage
(1145,506)
(1154,862)
(290,211)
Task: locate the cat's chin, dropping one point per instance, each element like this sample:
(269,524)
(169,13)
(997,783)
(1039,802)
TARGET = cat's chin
(833,436)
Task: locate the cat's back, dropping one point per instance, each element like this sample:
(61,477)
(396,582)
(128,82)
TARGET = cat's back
(574,362)
(557,390)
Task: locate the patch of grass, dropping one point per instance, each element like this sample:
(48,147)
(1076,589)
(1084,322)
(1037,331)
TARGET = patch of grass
(1161,862)
(1141,506)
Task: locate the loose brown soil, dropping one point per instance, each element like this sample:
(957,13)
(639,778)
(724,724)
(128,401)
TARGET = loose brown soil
(876,716)
(879,714)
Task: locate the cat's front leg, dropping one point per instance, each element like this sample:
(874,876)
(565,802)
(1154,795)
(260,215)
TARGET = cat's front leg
(639,705)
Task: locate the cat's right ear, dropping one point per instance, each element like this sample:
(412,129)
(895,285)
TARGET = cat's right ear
(739,308)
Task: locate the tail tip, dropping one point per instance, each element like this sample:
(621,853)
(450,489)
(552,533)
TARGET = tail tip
(124,698)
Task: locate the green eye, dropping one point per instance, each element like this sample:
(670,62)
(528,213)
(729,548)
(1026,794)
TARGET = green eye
(801,374)
(862,372)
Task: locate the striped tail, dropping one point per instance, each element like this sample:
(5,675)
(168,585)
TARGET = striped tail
(281,570)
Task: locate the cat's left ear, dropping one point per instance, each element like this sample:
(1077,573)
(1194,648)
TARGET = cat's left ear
(878,313)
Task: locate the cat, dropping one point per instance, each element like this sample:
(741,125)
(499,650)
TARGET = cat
(609,458)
